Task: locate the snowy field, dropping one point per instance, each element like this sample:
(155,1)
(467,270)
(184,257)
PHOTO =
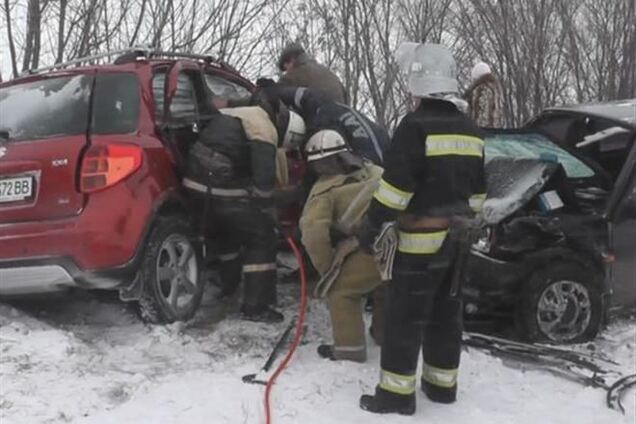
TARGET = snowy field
(86,358)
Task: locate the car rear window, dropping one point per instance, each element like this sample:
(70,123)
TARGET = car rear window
(535,146)
(59,106)
(116,104)
(46,108)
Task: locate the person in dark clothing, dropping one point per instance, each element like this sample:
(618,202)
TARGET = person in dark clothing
(433,175)
(302,70)
(364,137)
(233,168)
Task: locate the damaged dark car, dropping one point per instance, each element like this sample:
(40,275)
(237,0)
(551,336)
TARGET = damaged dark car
(559,251)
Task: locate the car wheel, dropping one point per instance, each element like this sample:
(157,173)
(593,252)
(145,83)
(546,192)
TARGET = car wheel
(560,304)
(170,273)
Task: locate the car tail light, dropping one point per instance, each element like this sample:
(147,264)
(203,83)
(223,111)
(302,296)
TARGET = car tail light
(104,166)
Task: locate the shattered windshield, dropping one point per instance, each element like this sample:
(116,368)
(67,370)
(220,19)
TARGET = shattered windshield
(46,108)
(535,146)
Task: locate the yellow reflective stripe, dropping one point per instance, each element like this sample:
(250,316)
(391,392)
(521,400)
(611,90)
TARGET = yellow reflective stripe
(391,196)
(421,243)
(454,144)
(476,201)
(259,267)
(446,378)
(397,383)
(226,257)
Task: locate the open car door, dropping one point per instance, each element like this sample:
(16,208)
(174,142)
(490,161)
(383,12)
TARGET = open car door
(621,215)
(186,109)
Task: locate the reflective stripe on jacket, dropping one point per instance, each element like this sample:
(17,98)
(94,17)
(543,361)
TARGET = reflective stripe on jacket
(434,166)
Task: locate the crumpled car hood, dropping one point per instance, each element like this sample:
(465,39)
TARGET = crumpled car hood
(512,183)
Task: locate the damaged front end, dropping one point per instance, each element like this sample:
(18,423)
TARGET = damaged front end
(536,219)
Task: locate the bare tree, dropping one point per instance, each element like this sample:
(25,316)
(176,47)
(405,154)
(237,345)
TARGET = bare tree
(12,53)
(424,20)
(31,55)
(523,41)
(545,52)
(601,48)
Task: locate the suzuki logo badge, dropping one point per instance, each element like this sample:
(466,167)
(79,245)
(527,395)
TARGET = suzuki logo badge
(3,151)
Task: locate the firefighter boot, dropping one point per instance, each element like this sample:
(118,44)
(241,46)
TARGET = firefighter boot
(385,402)
(261,314)
(439,394)
(229,271)
(259,281)
(326,351)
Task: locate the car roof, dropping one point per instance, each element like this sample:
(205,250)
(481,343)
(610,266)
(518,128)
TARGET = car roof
(128,66)
(619,110)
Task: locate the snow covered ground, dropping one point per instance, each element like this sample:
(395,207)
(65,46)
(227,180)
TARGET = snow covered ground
(86,358)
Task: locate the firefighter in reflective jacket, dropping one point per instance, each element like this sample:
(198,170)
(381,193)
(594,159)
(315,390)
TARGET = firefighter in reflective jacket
(234,168)
(433,172)
(336,204)
(366,138)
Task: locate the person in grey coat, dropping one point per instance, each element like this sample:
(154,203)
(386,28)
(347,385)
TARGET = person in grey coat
(301,70)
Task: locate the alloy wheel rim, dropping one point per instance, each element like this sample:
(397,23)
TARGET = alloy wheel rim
(564,310)
(176,273)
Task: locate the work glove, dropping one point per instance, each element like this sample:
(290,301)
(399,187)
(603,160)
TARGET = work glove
(366,234)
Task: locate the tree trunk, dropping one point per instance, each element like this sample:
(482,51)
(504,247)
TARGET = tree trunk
(14,64)
(37,35)
(33,12)
(60,32)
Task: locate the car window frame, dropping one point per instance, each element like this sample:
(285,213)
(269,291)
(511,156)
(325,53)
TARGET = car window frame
(624,181)
(165,70)
(195,101)
(93,99)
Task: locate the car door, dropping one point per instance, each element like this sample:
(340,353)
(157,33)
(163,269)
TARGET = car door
(621,214)
(186,105)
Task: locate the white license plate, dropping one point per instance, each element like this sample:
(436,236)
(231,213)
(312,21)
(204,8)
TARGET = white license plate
(15,189)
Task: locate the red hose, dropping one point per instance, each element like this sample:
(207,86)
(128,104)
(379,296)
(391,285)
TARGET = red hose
(299,328)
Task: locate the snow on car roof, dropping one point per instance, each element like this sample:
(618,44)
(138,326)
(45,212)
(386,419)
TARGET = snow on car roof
(620,110)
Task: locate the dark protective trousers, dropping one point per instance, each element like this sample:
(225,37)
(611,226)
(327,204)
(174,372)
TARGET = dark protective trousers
(246,237)
(422,314)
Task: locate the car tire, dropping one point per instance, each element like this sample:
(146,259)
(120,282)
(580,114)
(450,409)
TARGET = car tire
(561,303)
(170,273)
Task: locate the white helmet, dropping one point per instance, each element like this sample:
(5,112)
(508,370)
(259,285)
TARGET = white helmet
(325,143)
(295,132)
(430,68)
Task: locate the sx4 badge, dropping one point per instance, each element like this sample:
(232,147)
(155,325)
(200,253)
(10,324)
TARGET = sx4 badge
(3,151)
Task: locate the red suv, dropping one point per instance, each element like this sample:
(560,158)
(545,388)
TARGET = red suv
(90,194)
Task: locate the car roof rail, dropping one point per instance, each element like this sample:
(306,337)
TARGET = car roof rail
(167,54)
(93,59)
(132,54)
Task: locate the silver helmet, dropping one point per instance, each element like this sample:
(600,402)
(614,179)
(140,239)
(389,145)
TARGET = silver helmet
(430,69)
